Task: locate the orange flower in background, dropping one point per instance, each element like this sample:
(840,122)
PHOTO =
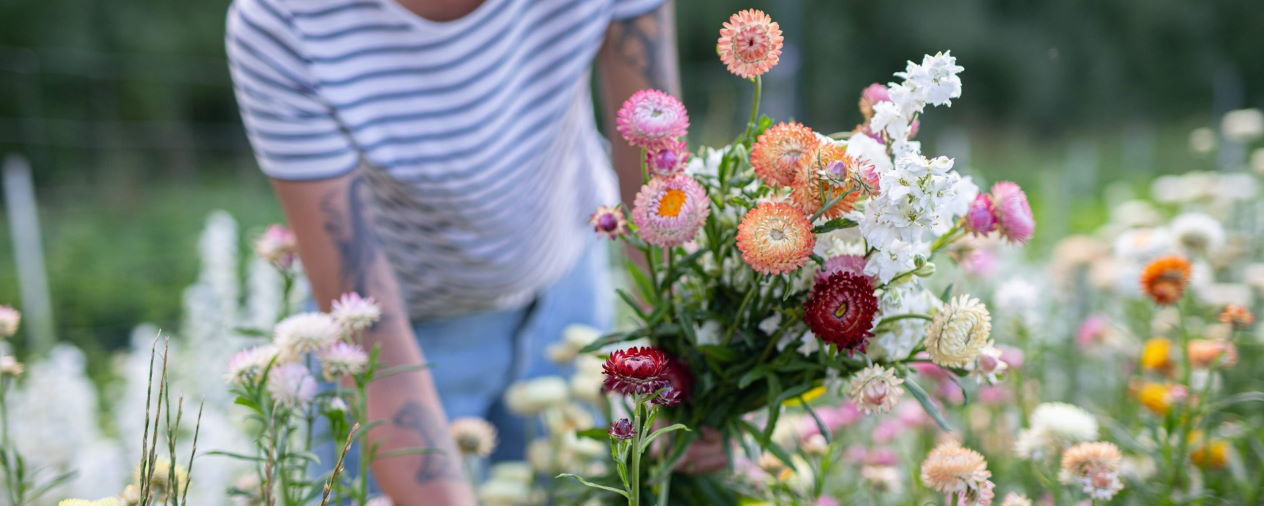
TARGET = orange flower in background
(1237,316)
(775,238)
(750,43)
(1213,455)
(1165,279)
(783,151)
(1157,397)
(1207,353)
(827,176)
(1156,355)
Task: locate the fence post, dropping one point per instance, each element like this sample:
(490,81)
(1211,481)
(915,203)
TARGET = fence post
(28,253)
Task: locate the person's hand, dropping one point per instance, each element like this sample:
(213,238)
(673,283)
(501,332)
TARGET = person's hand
(705,455)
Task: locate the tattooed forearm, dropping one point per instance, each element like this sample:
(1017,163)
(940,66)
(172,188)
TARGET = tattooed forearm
(646,44)
(437,465)
(352,234)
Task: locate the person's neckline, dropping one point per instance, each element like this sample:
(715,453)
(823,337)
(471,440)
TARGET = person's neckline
(432,25)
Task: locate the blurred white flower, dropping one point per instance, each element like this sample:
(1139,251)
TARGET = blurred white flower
(530,397)
(303,333)
(884,479)
(9,320)
(9,366)
(709,332)
(1202,140)
(1144,244)
(504,493)
(380,500)
(474,436)
(1021,299)
(246,365)
(342,359)
(896,340)
(1054,426)
(1243,125)
(291,385)
(515,471)
(355,313)
(1135,213)
(1257,161)
(580,336)
(1198,233)
(1223,294)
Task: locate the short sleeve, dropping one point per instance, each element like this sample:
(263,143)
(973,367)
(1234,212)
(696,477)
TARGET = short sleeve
(624,9)
(295,134)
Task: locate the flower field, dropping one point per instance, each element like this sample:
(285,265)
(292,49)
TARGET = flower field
(846,316)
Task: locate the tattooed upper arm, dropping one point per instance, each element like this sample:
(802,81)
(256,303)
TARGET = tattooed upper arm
(647,44)
(436,465)
(348,226)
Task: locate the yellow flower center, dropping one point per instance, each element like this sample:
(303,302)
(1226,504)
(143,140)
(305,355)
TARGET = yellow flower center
(840,310)
(669,206)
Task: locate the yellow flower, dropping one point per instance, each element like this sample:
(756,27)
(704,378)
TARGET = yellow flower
(807,397)
(1213,455)
(108,501)
(1156,397)
(1157,354)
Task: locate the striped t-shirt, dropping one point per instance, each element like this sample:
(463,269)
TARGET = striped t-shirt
(477,136)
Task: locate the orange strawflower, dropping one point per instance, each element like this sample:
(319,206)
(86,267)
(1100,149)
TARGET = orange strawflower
(829,174)
(750,43)
(1207,353)
(1213,455)
(775,238)
(1237,316)
(1165,279)
(783,151)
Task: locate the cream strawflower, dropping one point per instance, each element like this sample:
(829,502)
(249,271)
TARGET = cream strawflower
(1055,425)
(303,333)
(875,389)
(9,366)
(1016,499)
(9,320)
(959,472)
(342,359)
(504,493)
(1198,233)
(355,313)
(246,365)
(1095,467)
(473,436)
(988,365)
(530,397)
(959,332)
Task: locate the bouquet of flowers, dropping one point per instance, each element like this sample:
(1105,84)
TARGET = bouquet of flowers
(790,263)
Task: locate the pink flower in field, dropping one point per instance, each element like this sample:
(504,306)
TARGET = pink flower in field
(291,385)
(826,501)
(855,453)
(9,320)
(950,392)
(882,456)
(1091,330)
(1013,213)
(930,370)
(669,210)
(979,219)
(871,95)
(1013,357)
(608,221)
(355,313)
(278,246)
(668,159)
(342,358)
(993,394)
(980,262)
(887,430)
(750,43)
(912,415)
(651,119)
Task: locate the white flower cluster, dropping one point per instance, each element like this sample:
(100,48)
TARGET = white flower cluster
(920,197)
(1054,426)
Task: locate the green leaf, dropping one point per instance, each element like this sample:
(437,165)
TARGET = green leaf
(928,406)
(1236,399)
(237,456)
(751,376)
(643,283)
(627,299)
(252,332)
(765,443)
(596,433)
(605,340)
(947,293)
(645,443)
(718,353)
(832,225)
(242,401)
(593,485)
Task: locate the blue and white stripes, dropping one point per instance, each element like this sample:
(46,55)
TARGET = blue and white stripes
(478,132)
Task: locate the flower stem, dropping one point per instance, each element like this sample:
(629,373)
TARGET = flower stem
(634,492)
(754,115)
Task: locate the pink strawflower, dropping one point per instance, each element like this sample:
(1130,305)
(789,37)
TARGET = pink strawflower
(882,456)
(870,96)
(993,394)
(750,43)
(1013,213)
(355,313)
(608,221)
(827,501)
(9,320)
(912,415)
(929,369)
(887,430)
(668,159)
(291,385)
(980,262)
(1013,357)
(278,246)
(670,210)
(342,358)
(979,219)
(1091,330)
(651,119)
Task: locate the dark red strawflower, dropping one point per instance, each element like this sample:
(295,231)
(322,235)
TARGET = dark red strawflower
(622,429)
(636,370)
(840,310)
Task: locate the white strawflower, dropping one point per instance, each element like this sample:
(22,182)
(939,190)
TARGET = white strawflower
(958,332)
(355,313)
(1019,298)
(9,320)
(1198,233)
(302,333)
(1143,245)
(1016,499)
(342,358)
(530,397)
(1055,425)
(246,365)
(474,436)
(875,389)
(1202,140)
(579,336)
(513,471)
(504,493)
(988,365)
(884,479)
(1243,125)
(291,385)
